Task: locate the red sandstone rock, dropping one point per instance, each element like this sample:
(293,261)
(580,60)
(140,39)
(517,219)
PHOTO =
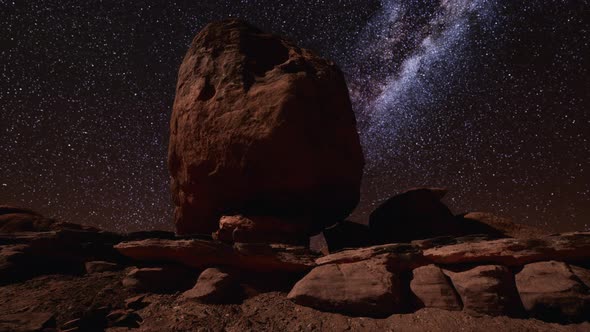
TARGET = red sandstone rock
(202,254)
(365,288)
(260,127)
(433,290)
(487,289)
(569,247)
(215,285)
(552,292)
(159,279)
(262,229)
(399,257)
(582,273)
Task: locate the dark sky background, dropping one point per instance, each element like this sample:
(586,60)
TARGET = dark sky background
(490,99)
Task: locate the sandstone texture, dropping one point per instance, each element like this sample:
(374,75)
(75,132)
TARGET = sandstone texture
(215,285)
(433,289)
(551,291)
(199,254)
(260,127)
(365,288)
(159,279)
(515,252)
(487,289)
(262,229)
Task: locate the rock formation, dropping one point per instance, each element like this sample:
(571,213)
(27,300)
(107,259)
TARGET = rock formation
(415,214)
(260,127)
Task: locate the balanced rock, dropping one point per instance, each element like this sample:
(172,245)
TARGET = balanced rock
(262,229)
(432,289)
(487,289)
(364,288)
(552,292)
(215,285)
(260,127)
(412,215)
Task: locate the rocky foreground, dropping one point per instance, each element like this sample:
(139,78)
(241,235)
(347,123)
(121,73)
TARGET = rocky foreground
(73,278)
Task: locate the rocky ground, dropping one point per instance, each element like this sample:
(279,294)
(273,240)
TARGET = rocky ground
(68,297)
(57,276)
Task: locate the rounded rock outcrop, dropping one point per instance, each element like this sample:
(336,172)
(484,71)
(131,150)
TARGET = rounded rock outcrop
(260,127)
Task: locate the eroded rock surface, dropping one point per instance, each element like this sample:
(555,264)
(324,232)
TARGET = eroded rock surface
(364,288)
(433,289)
(487,289)
(260,127)
(551,291)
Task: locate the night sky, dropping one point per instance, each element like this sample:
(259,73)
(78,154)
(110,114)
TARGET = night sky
(490,99)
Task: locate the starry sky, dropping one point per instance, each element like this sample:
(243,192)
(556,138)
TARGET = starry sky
(489,98)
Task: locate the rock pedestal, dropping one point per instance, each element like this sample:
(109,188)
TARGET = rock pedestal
(260,127)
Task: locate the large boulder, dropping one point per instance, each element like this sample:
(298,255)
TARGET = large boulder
(432,289)
(487,289)
(364,288)
(551,291)
(412,215)
(260,127)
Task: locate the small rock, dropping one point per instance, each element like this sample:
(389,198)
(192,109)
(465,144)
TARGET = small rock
(215,285)
(164,279)
(136,303)
(74,323)
(101,266)
(550,291)
(364,288)
(124,318)
(433,290)
(262,229)
(487,289)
